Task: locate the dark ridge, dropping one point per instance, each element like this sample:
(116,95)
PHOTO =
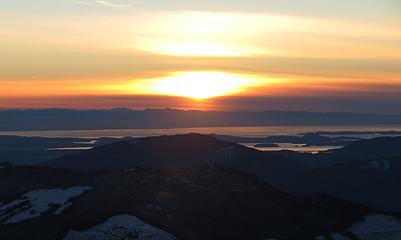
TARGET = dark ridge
(206,202)
(183,151)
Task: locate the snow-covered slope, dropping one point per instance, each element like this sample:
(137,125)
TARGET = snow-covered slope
(121,227)
(374,227)
(34,203)
(378,227)
(377,164)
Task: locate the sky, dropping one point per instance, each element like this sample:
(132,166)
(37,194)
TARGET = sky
(309,55)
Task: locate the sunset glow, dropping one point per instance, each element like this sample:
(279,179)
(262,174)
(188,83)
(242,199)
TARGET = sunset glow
(272,50)
(205,117)
(198,49)
(200,85)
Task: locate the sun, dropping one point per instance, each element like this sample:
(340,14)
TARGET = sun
(199,85)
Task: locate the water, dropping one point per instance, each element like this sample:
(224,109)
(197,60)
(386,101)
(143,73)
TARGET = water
(293,147)
(68,148)
(236,131)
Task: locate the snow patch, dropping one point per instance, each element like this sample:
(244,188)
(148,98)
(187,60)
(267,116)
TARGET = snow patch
(62,208)
(135,141)
(225,154)
(337,236)
(376,164)
(377,226)
(386,165)
(121,227)
(34,203)
(371,164)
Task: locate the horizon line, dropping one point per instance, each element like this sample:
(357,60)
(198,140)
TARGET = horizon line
(193,110)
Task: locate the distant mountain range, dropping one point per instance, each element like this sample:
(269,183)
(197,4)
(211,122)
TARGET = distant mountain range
(66,119)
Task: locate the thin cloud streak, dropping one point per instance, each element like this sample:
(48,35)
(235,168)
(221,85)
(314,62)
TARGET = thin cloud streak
(106,3)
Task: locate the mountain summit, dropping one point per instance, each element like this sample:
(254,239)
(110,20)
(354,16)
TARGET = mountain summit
(180,152)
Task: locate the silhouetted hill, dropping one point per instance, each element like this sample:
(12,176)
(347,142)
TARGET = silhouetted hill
(382,147)
(367,171)
(35,150)
(182,151)
(66,119)
(206,202)
(376,148)
(373,182)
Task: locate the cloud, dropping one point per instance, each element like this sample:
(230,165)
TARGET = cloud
(106,3)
